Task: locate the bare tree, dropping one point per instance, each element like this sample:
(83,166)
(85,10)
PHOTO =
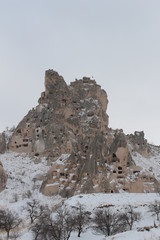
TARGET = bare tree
(107,222)
(8,221)
(32,209)
(57,226)
(130,216)
(37,230)
(155,209)
(69,224)
(81,219)
(61,225)
(35,210)
(40,227)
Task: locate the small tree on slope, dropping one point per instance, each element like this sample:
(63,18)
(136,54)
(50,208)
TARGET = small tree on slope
(56,226)
(130,216)
(107,222)
(81,219)
(8,221)
(155,209)
(35,210)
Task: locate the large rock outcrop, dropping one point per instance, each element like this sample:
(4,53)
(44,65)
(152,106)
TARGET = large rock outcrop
(65,119)
(70,127)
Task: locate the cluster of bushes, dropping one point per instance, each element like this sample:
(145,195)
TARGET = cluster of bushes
(59,225)
(47,224)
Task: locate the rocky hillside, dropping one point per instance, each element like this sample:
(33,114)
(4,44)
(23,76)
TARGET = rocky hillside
(69,127)
(25,176)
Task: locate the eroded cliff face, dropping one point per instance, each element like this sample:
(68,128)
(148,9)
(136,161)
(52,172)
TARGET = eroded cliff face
(66,117)
(70,128)
(139,143)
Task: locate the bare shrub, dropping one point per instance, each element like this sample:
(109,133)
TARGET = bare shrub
(107,222)
(155,209)
(81,219)
(15,197)
(130,216)
(27,194)
(57,226)
(35,210)
(8,221)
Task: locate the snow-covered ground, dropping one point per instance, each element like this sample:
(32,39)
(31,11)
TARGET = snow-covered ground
(24,181)
(94,200)
(119,201)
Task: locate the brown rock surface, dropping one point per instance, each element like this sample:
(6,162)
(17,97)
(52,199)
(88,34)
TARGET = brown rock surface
(140,143)
(65,117)
(70,127)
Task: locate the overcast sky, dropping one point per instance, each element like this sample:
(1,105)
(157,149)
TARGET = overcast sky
(115,41)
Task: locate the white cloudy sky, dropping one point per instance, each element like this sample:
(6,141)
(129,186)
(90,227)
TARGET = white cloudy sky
(115,41)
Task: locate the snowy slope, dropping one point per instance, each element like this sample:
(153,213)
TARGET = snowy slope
(22,172)
(92,201)
(22,184)
(151,164)
(141,203)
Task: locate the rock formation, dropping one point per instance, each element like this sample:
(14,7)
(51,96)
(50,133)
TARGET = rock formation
(140,143)
(70,128)
(65,116)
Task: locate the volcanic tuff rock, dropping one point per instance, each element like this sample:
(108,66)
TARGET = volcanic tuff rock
(65,120)
(140,143)
(70,128)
